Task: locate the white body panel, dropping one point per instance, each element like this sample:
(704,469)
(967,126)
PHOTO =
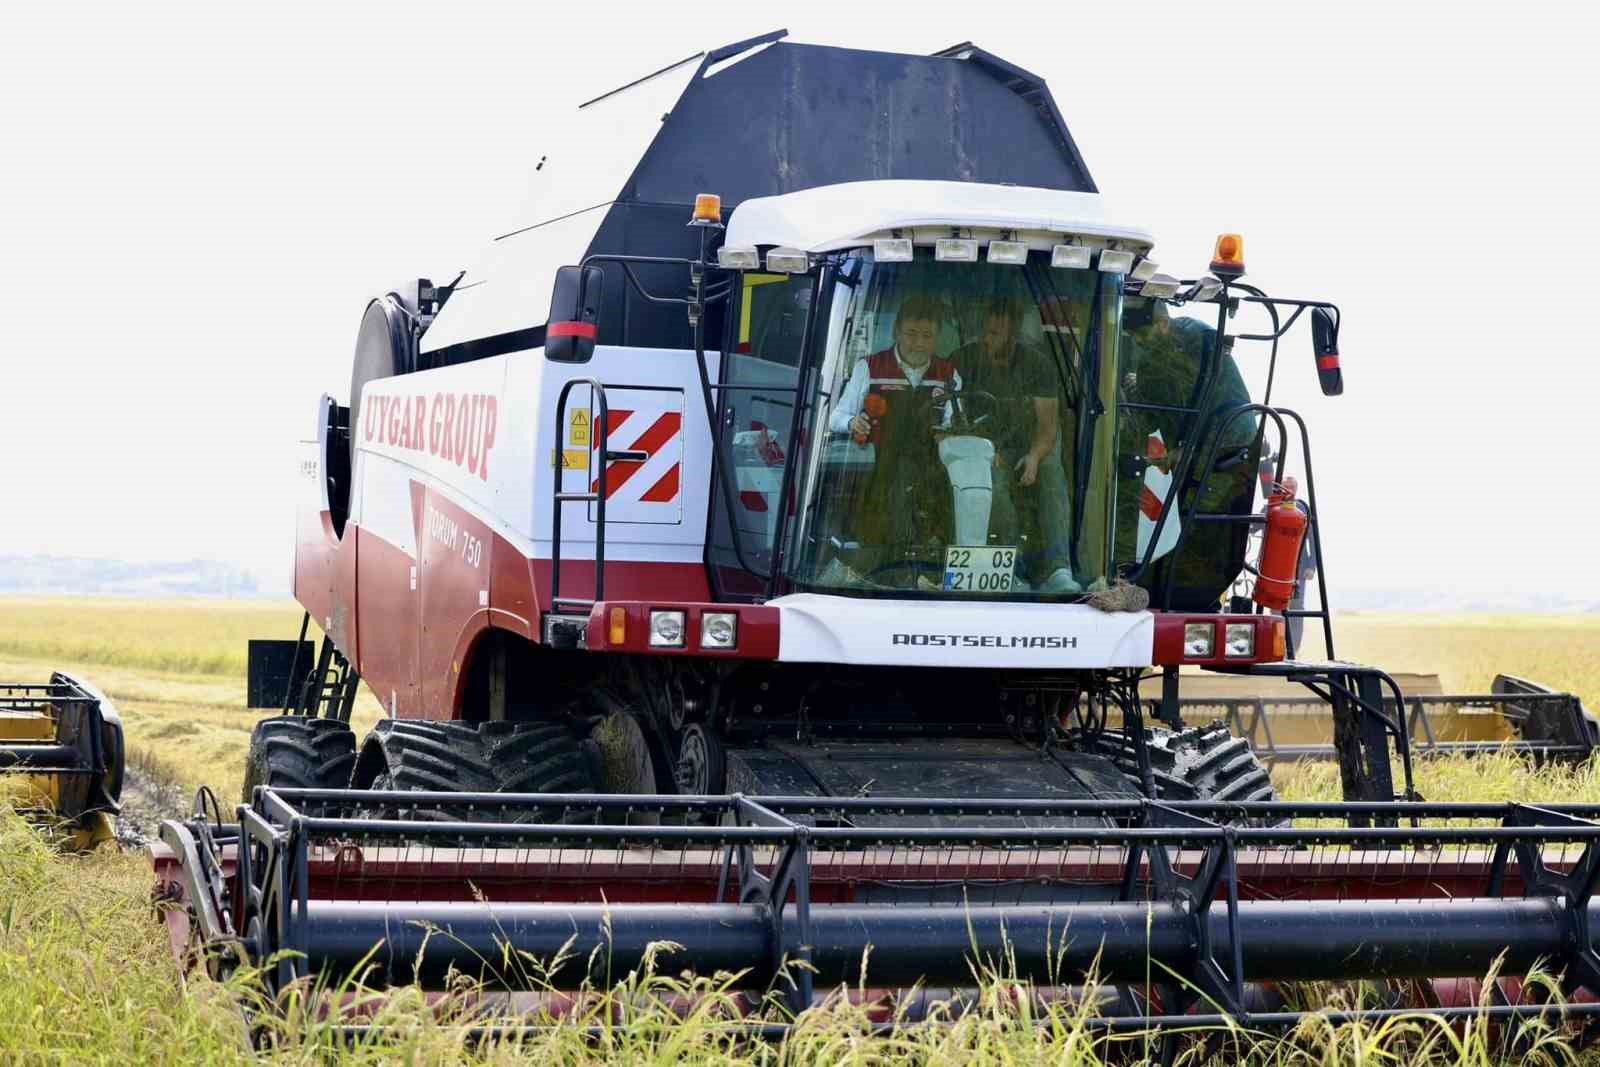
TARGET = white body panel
(589,152)
(503,473)
(840,216)
(509,287)
(670,531)
(825,629)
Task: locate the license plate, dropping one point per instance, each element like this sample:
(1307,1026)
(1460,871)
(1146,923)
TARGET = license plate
(979,569)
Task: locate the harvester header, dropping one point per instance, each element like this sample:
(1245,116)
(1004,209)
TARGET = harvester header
(62,756)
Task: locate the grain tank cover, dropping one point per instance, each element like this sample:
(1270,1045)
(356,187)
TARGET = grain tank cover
(794,116)
(759,118)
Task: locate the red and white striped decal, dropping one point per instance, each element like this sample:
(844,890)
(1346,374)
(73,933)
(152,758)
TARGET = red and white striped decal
(645,490)
(1152,498)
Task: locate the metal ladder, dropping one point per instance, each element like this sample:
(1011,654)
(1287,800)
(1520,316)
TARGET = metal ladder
(568,615)
(328,689)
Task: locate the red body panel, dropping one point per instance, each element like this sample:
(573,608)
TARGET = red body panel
(386,619)
(757,635)
(325,577)
(454,564)
(411,640)
(1169,639)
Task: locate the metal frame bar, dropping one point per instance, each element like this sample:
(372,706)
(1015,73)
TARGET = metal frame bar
(1213,429)
(1180,869)
(1256,727)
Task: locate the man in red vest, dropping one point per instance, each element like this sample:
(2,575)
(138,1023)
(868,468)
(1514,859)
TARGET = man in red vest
(896,400)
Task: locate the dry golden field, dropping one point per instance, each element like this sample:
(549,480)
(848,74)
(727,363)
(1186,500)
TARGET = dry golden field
(1466,651)
(175,668)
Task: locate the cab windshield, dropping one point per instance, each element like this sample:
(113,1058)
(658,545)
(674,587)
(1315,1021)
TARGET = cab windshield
(962,440)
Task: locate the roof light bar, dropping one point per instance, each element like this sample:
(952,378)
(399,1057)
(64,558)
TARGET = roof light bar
(1011,252)
(1074,257)
(788,261)
(1116,261)
(955,250)
(892,250)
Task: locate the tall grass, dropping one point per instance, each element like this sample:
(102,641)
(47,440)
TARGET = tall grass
(1490,778)
(85,974)
(85,977)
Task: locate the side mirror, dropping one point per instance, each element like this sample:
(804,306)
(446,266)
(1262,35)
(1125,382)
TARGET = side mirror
(570,333)
(1325,345)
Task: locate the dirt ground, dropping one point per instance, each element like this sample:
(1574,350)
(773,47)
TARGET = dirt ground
(145,802)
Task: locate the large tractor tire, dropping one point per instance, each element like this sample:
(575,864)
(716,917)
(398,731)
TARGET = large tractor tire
(1196,763)
(298,752)
(491,757)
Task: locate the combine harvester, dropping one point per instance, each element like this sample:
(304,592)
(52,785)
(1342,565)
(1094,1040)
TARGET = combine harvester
(61,757)
(754,586)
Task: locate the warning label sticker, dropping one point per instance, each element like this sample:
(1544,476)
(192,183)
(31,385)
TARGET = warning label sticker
(571,459)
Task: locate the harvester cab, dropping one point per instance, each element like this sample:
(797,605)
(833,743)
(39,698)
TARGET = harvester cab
(927,451)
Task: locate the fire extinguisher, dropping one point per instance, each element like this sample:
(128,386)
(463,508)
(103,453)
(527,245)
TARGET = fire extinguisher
(1277,569)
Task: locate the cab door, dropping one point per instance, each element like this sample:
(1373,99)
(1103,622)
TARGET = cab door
(755,414)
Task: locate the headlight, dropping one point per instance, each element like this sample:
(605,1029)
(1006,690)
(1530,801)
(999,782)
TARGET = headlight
(788,261)
(955,250)
(1199,639)
(1012,252)
(1072,256)
(1116,261)
(1239,642)
(719,629)
(1160,287)
(738,258)
(666,629)
(892,250)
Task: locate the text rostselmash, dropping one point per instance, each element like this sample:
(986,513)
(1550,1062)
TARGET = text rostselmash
(985,640)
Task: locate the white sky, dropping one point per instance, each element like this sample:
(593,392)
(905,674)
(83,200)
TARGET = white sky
(196,202)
